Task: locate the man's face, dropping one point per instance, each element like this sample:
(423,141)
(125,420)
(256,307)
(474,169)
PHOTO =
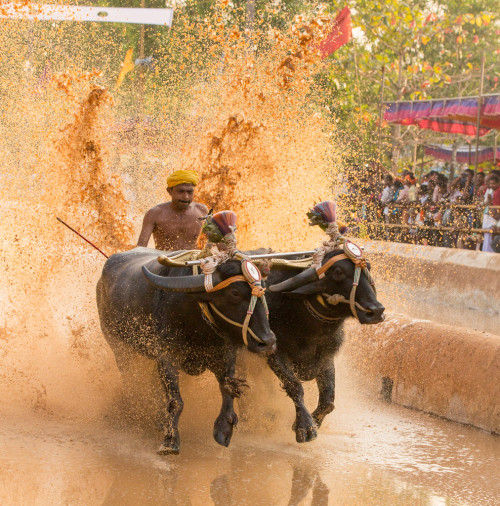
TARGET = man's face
(479,180)
(182,195)
(493,183)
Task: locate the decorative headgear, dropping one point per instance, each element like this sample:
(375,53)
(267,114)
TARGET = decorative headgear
(324,215)
(182,177)
(221,227)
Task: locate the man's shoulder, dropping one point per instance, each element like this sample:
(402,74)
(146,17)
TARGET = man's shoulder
(202,208)
(157,210)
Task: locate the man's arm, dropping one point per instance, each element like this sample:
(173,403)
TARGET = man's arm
(148,225)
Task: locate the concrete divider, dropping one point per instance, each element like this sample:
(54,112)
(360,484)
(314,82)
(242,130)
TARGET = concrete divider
(448,371)
(463,276)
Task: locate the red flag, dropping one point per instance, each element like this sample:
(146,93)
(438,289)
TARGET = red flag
(340,33)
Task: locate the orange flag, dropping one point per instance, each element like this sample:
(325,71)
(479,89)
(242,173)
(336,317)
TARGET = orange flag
(127,66)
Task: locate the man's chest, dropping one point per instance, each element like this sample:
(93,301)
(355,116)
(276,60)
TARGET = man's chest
(178,225)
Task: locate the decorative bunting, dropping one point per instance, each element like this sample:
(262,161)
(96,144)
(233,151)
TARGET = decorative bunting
(457,115)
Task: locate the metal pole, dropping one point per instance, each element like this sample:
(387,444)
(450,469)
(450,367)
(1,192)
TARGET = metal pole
(264,255)
(381,105)
(495,149)
(141,39)
(250,14)
(479,106)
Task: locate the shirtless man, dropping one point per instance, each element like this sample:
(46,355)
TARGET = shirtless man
(175,225)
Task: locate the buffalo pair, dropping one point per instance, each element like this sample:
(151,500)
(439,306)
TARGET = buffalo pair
(170,315)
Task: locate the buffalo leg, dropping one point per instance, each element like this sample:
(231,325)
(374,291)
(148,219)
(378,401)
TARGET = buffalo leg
(326,386)
(230,388)
(304,426)
(169,375)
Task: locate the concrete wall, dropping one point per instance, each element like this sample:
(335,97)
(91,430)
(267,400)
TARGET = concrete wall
(448,371)
(461,275)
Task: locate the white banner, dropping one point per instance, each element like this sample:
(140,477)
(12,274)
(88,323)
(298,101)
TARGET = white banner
(34,12)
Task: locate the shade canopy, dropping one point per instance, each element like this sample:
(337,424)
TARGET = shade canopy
(453,115)
(465,153)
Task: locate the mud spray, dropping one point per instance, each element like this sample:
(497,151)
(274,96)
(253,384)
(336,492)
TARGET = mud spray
(238,106)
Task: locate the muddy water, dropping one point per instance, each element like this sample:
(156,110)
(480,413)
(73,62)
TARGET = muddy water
(367,453)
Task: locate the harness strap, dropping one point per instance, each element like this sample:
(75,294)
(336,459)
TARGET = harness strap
(355,283)
(227,282)
(360,265)
(321,270)
(318,315)
(257,292)
(232,322)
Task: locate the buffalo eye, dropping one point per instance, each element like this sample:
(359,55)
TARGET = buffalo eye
(235,293)
(338,274)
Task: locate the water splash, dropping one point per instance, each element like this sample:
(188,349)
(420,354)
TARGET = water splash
(238,106)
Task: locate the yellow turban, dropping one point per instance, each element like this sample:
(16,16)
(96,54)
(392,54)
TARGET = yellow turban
(182,177)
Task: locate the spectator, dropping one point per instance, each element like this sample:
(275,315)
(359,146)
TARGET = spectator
(491,198)
(412,192)
(479,186)
(387,195)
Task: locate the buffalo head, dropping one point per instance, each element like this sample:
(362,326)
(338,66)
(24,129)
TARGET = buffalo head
(332,296)
(228,306)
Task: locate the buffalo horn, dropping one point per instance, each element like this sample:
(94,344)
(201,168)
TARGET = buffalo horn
(170,262)
(188,284)
(305,277)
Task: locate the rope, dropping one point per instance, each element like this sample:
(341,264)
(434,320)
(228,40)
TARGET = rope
(334,241)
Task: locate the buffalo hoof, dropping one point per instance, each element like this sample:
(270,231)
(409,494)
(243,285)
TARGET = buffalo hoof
(319,416)
(223,428)
(305,429)
(171,446)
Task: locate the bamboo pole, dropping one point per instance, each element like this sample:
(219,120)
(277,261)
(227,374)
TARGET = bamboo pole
(479,106)
(381,105)
(425,227)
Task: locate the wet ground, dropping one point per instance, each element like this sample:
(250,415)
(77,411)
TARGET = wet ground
(367,453)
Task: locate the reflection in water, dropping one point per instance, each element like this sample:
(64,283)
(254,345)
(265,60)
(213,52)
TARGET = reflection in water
(304,480)
(367,453)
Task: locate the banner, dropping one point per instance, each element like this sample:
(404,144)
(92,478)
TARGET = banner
(464,154)
(34,12)
(451,115)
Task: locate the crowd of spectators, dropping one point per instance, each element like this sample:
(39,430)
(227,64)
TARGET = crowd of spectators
(456,212)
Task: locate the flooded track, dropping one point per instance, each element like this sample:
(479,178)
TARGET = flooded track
(367,453)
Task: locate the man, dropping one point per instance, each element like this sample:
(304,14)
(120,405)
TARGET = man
(175,225)
(490,218)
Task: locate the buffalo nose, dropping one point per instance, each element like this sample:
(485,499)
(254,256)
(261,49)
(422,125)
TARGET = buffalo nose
(269,343)
(378,310)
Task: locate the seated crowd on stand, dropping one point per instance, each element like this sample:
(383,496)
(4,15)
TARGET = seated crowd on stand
(437,211)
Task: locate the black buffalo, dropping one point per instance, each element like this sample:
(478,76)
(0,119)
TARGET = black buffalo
(155,310)
(309,335)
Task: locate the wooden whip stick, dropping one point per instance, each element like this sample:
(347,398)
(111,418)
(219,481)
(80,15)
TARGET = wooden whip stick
(80,235)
